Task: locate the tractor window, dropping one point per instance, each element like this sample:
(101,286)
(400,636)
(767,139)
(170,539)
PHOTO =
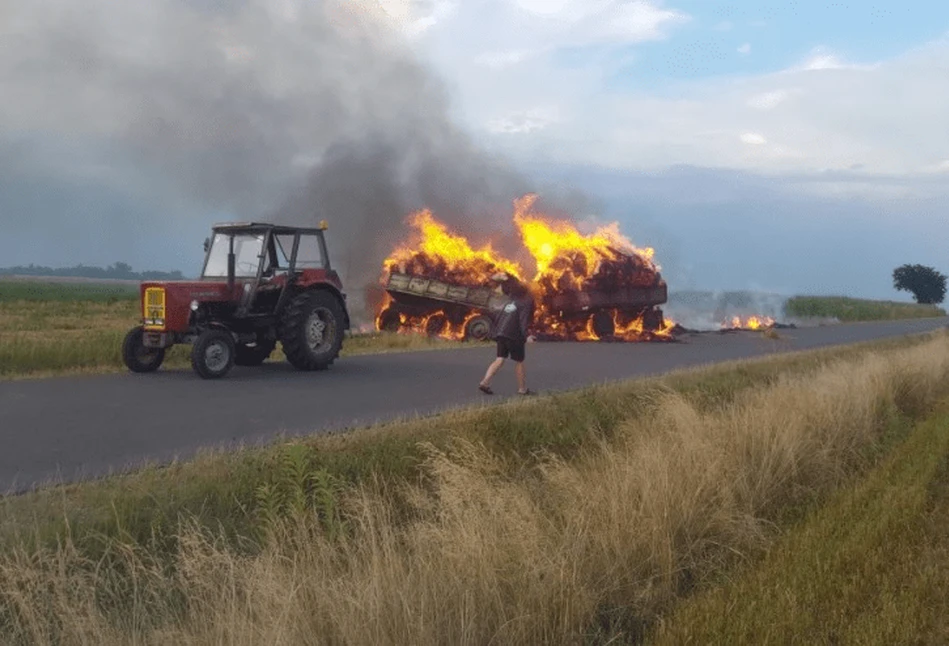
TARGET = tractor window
(284,250)
(247,250)
(309,255)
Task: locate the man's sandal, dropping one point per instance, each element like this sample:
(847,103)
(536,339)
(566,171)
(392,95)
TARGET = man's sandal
(485,389)
(526,392)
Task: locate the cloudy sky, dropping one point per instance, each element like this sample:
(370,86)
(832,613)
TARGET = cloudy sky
(786,146)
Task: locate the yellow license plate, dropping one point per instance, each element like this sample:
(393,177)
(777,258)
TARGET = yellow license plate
(154,308)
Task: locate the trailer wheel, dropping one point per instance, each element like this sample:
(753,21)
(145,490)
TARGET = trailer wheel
(136,356)
(478,328)
(389,320)
(603,324)
(653,320)
(212,355)
(436,324)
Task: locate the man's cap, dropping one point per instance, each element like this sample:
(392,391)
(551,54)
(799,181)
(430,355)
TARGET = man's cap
(500,277)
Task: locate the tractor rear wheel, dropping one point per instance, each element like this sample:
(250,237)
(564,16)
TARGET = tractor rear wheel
(136,356)
(478,328)
(311,331)
(213,353)
(254,355)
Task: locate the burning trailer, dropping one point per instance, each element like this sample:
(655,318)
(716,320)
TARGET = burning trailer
(587,287)
(438,308)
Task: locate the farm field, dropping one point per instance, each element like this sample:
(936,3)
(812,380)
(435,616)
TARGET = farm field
(556,518)
(856,309)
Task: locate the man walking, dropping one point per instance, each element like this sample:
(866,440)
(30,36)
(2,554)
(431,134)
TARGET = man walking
(512,333)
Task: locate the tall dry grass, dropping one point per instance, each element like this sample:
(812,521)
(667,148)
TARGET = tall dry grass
(486,549)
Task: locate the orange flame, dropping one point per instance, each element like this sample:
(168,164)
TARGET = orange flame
(552,242)
(750,323)
(434,250)
(566,261)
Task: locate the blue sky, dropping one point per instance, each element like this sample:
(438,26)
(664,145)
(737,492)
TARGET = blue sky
(727,135)
(736,38)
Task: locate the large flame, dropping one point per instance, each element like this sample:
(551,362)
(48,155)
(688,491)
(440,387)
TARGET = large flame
(433,251)
(569,261)
(566,262)
(559,249)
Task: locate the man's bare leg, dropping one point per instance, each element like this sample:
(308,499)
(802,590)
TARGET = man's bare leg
(521,373)
(492,370)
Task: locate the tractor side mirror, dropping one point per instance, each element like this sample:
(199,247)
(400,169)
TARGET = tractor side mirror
(207,244)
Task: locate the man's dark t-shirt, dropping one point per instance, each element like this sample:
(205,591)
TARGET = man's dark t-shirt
(515,319)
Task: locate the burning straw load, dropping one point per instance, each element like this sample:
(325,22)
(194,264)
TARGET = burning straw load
(587,287)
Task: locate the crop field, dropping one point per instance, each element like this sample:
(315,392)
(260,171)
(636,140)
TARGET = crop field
(855,309)
(704,505)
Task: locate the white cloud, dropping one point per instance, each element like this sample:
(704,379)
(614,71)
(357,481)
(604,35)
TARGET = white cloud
(745,49)
(524,122)
(416,17)
(753,138)
(502,59)
(883,117)
(768,100)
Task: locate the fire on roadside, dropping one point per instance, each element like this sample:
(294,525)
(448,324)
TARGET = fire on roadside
(749,323)
(571,265)
(432,251)
(587,287)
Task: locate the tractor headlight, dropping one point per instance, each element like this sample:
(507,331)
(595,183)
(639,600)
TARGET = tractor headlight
(194,306)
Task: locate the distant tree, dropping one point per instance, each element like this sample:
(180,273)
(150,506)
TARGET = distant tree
(925,283)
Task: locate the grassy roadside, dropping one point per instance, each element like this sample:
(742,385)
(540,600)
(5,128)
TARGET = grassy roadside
(870,567)
(576,517)
(855,309)
(54,337)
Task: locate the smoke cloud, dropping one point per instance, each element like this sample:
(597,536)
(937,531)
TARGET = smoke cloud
(289,110)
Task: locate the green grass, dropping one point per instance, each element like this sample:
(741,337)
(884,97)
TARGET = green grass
(102,535)
(869,567)
(854,309)
(13,291)
(219,489)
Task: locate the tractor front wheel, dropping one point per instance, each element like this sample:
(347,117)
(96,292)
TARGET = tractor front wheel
(136,356)
(213,354)
(311,331)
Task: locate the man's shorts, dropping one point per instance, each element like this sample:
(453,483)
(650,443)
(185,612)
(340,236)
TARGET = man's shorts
(509,348)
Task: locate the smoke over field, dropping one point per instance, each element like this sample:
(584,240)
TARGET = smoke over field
(258,109)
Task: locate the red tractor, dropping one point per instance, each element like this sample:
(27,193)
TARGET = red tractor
(261,283)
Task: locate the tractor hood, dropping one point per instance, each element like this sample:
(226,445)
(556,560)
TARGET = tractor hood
(166,304)
(196,290)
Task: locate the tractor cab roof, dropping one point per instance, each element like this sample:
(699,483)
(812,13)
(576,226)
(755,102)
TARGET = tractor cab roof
(260,227)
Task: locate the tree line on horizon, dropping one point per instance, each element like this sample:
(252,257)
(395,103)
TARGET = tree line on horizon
(116,271)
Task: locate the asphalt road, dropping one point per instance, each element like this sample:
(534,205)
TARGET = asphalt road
(76,427)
